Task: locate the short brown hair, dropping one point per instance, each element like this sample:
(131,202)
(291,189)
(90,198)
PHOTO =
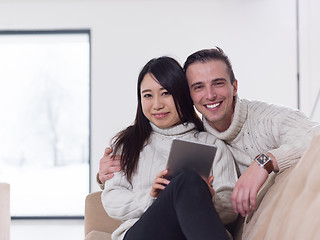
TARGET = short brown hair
(207,55)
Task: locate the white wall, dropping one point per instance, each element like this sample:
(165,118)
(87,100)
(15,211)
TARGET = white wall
(309,56)
(258,35)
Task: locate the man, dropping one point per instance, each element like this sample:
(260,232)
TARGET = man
(262,137)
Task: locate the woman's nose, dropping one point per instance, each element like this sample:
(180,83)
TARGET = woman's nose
(158,104)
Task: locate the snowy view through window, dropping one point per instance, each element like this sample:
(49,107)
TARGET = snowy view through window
(44,105)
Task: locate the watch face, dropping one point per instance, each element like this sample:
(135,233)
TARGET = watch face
(263,158)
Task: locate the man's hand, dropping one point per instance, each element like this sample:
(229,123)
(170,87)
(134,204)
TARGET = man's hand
(159,184)
(244,194)
(108,165)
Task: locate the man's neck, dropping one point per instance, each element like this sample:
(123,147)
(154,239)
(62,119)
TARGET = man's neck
(223,126)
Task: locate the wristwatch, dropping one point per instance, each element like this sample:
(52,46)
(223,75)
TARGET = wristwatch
(264,161)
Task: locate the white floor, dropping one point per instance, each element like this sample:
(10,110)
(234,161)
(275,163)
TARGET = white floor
(47,229)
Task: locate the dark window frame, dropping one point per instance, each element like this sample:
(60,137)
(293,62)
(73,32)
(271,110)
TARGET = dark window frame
(62,32)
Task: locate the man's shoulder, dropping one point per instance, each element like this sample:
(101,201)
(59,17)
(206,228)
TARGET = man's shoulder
(254,103)
(256,107)
(274,112)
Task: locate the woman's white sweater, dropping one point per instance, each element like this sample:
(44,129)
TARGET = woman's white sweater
(259,127)
(127,202)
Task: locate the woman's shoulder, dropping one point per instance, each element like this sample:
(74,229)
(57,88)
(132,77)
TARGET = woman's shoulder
(206,137)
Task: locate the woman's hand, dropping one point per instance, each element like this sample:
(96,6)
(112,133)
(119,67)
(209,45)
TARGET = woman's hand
(159,184)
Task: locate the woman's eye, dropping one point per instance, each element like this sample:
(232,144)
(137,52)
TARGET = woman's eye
(147,95)
(165,93)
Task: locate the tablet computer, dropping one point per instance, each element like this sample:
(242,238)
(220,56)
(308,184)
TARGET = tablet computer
(187,155)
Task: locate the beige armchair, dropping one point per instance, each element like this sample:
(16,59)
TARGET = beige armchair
(98,225)
(4,211)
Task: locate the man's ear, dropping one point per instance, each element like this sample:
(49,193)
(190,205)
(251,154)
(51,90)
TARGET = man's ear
(235,87)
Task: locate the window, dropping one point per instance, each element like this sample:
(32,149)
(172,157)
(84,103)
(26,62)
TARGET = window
(45,104)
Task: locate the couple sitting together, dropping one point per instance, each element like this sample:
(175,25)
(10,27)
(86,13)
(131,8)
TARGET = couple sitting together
(252,138)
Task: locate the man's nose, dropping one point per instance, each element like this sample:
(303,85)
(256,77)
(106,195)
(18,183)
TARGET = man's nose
(210,93)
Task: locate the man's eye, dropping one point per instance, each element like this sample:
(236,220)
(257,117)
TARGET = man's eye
(198,87)
(219,83)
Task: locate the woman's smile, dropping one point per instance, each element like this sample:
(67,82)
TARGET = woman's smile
(160,115)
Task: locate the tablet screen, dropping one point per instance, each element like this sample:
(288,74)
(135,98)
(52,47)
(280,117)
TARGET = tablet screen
(186,155)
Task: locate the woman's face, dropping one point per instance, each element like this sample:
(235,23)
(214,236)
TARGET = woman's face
(157,103)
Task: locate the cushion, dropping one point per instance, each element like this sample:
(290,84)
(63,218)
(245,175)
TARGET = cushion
(290,209)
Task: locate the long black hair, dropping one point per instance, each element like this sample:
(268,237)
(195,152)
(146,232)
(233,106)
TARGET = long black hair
(131,140)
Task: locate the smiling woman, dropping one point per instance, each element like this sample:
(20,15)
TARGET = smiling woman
(45,129)
(157,103)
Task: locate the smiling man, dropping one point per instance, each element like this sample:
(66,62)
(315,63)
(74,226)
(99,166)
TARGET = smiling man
(262,137)
(212,91)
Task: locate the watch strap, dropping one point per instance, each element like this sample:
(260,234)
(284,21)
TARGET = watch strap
(268,166)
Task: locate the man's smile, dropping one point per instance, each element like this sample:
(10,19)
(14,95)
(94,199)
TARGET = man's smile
(212,105)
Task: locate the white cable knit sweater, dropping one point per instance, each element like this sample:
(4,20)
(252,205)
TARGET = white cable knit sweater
(259,127)
(127,203)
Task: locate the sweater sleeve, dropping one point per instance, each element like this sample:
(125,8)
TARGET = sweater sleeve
(225,178)
(121,201)
(293,131)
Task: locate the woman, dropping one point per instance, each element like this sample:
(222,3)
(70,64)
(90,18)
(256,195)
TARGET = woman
(187,207)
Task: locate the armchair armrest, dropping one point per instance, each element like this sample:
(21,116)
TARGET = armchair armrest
(96,217)
(4,211)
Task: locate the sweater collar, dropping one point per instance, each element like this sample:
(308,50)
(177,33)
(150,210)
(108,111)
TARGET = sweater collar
(177,129)
(239,118)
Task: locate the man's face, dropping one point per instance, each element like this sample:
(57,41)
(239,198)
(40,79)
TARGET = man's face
(212,92)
